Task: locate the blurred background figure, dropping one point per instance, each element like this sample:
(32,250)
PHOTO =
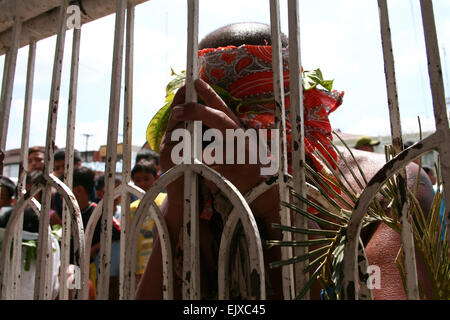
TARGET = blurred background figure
(366,144)
(7,192)
(430,172)
(144,174)
(59,159)
(36,158)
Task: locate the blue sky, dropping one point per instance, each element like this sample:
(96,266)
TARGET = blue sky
(339,36)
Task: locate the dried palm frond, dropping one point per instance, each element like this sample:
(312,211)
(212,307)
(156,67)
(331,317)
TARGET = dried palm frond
(325,260)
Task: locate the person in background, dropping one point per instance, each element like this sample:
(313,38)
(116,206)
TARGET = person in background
(430,173)
(366,144)
(83,186)
(7,192)
(59,158)
(100,192)
(30,235)
(149,155)
(36,158)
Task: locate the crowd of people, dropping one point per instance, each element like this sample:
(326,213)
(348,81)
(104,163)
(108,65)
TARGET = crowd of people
(88,189)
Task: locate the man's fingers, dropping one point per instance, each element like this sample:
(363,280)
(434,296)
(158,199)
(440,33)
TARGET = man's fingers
(180,96)
(213,100)
(177,100)
(209,116)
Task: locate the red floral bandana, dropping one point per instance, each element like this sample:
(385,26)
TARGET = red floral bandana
(246,73)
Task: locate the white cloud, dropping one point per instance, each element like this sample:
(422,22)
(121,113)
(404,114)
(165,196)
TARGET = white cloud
(380,126)
(97,129)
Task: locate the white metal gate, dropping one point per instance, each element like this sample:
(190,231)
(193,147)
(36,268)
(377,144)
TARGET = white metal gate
(72,225)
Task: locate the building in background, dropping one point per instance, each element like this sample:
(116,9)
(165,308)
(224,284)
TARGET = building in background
(94,159)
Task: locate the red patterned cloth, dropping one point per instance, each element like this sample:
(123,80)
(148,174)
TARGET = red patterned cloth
(246,73)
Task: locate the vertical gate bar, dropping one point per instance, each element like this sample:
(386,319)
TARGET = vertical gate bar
(5,68)
(298,137)
(126,288)
(396,132)
(438,95)
(16,260)
(17,253)
(5,108)
(389,70)
(43,280)
(7,87)
(26,119)
(280,124)
(69,161)
(191,251)
(111,154)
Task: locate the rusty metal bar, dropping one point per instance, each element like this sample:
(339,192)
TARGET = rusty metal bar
(111,153)
(163,232)
(89,234)
(26,118)
(191,250)
(43,281)
(396,132)
(298,136)
(126,288)
(77,227)
(389,70)
(17,252)
(6,286)
(438,95)
(280,124)
(69,161)
(350,286)
(7,87)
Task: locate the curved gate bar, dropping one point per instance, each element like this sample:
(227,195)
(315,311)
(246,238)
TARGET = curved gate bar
(354,227)
(163,232)
(233,194)
(233,218)
(248,223)
(128,286)
(93,220)
(365,293)
(14,218)
(77,231)
(18,210)
(130,275)
(227,234)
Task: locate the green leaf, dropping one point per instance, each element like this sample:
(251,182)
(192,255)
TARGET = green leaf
(157,127)
(175,83)
(314,78)
(158,124)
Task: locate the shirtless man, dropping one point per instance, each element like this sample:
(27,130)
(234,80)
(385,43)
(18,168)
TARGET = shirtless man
(382,243)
